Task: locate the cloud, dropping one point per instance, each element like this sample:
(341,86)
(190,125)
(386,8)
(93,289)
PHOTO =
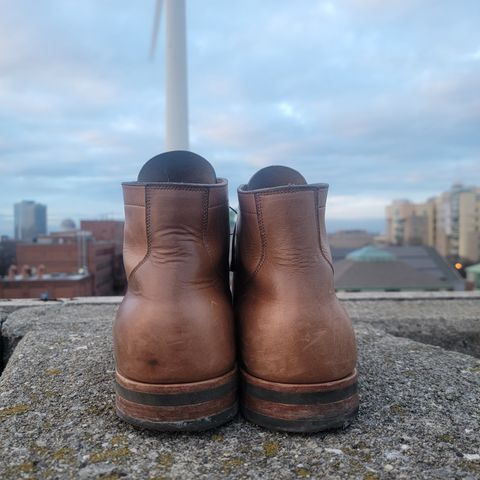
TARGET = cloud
(379,99)
(352,206)
(473,56)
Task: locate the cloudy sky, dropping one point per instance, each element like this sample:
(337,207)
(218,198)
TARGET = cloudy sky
(381,99)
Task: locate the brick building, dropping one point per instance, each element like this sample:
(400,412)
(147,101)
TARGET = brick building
(7,254)
(46,286)
(84,262)
(104,230)
(110,231)
(72,253)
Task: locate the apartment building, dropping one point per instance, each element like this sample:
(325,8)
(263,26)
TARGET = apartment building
(408,223)
(449,222)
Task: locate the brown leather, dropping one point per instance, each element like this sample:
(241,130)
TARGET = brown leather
(292,327)
(175,324)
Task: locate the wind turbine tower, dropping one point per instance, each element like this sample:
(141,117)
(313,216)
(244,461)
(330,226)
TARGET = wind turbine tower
(176,88)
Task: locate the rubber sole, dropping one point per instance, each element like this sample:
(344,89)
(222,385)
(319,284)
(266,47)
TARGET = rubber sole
(179,407)
(300,407)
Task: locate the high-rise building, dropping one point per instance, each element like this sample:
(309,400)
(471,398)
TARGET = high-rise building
(469,225)
(407,223)
(449,222)
(30,220)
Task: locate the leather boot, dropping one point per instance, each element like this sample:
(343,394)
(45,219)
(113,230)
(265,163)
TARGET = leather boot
(297,343)
(173,334)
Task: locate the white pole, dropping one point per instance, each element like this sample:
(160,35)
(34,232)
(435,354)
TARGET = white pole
(176,137)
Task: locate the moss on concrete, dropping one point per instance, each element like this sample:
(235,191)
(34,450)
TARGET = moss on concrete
(231,464)
(15,410)
(270,448)
(445,437)
(63,454)
(17,471)
(397,409)
(371,476)
(109,455)
(165,460)
(303,472)
(119,440)
(218,437)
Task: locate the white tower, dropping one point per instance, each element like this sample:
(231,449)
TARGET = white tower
(176,90)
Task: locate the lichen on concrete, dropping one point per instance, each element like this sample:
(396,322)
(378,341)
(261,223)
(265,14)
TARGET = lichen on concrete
(15,410)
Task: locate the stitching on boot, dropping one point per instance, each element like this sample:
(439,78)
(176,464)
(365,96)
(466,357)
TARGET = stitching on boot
(177,187)
(205,204)
(263,235)
(148,228)
(261,226)
(319,232)
(290,190)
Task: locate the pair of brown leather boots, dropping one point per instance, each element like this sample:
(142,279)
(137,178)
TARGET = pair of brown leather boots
(176,331)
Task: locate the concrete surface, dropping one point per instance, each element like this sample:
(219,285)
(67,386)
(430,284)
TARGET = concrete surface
(419,414)
(453,323)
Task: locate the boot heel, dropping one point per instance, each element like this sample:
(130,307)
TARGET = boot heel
(299,407)
(177,407)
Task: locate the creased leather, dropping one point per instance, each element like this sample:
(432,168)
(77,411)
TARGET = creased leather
(292,327)
(175,324)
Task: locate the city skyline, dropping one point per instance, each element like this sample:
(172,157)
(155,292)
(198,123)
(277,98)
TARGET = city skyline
(374,226)
(374,99)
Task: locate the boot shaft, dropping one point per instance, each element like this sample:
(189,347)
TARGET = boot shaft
(181,230)
(175,322)
(292,327)
(281,232)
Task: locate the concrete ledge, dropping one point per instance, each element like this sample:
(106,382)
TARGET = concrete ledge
(419,415)
(452,323)
(15,303)
(474,294)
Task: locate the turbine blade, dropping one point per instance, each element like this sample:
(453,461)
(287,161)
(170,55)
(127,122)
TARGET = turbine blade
(156,27)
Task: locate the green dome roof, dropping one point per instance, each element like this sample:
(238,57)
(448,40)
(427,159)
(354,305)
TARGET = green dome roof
(370,254)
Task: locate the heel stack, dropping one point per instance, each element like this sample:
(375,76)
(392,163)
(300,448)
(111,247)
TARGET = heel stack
(299,407)
(177,407)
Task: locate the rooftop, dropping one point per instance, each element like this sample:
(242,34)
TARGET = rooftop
(46,276)
(419,373)
(371,253)
(408,267)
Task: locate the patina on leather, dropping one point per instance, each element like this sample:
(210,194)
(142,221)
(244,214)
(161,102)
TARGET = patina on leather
(292,327)
(175,323)
(296,341)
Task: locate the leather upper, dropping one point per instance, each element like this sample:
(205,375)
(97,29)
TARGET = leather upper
(292,327)
(175,324)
